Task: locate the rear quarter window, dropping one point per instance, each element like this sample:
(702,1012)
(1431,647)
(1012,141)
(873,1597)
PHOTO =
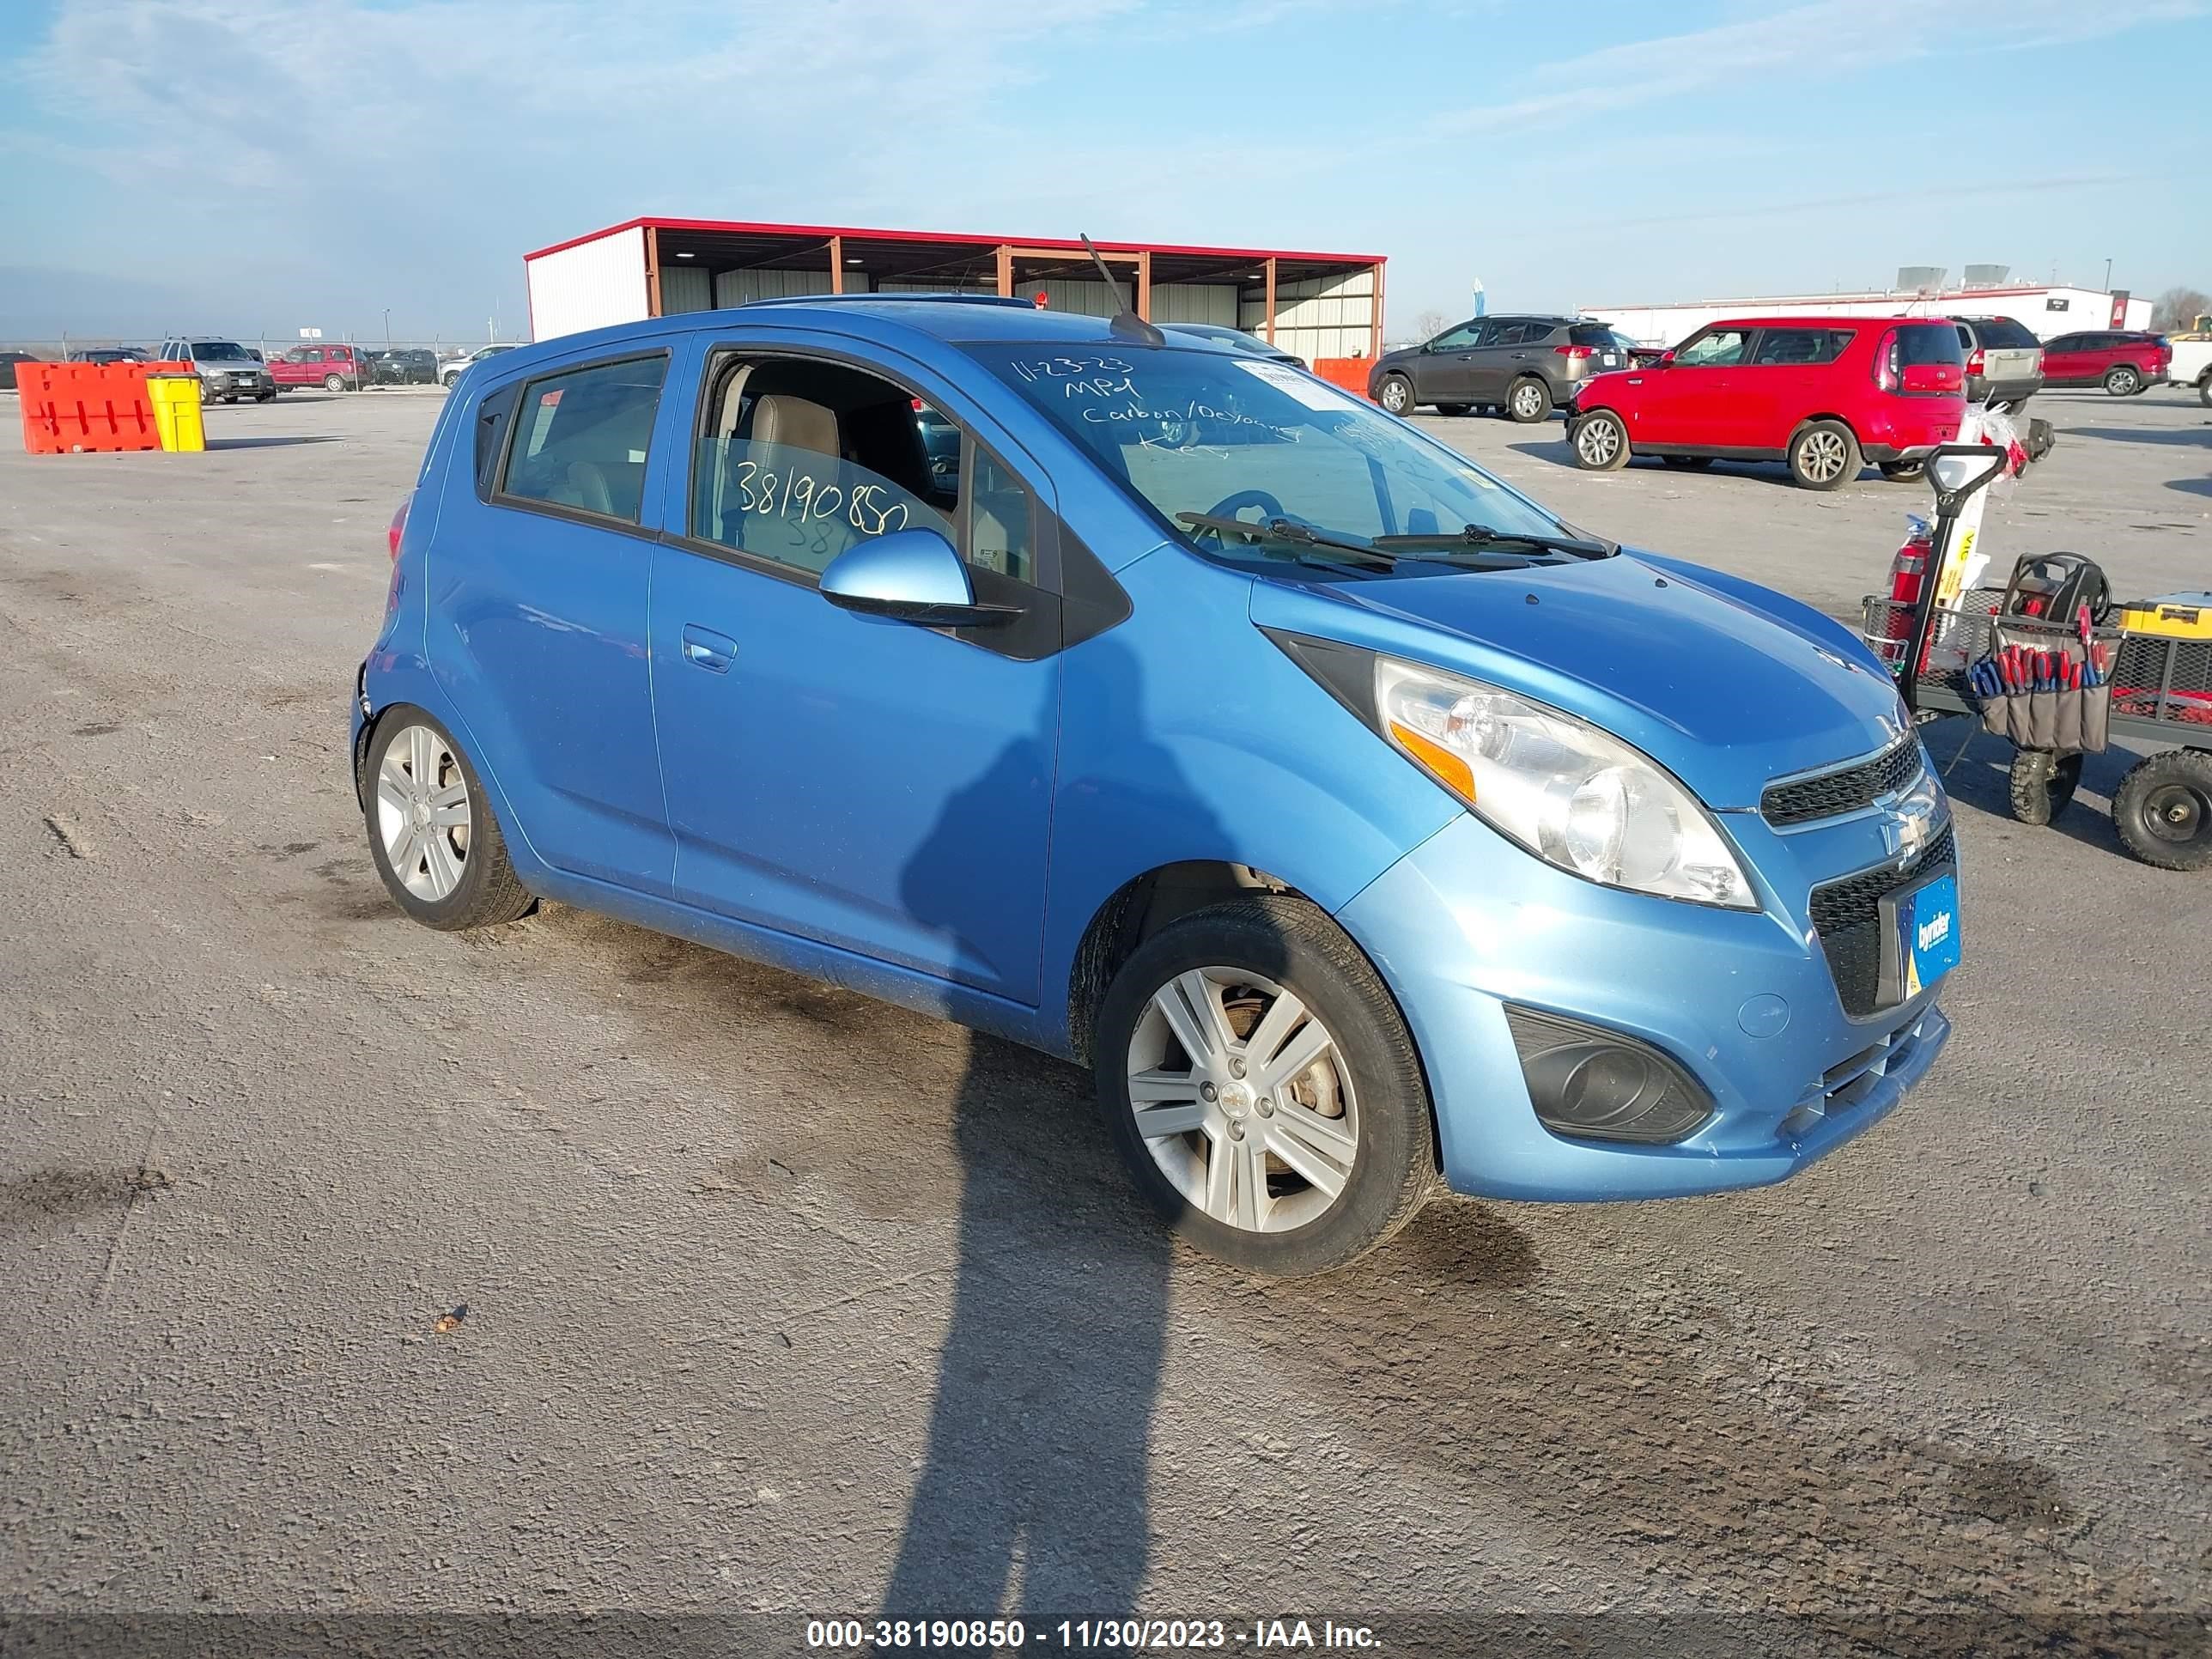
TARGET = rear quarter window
(1929,342)
(581,438)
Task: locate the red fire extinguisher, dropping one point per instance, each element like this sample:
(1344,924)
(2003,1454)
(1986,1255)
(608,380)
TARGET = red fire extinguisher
(1907,571)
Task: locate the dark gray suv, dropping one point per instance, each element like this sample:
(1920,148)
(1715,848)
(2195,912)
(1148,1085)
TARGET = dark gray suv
(1525,366)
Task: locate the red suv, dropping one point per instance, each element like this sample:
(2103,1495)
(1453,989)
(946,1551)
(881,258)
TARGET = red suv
(2123,364)
(333,368)
(1823,393)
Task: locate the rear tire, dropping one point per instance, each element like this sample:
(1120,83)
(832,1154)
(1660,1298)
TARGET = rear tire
(2041,784)
(1355,1118)
(1901,471)
(1824,455)
(1395,394)
(447,871)
(2122,381)
(1529,401)
(2163,810)
(1600,441)
(334,383)
(2204,392)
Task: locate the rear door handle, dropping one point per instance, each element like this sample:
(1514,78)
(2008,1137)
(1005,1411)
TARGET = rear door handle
(709,650)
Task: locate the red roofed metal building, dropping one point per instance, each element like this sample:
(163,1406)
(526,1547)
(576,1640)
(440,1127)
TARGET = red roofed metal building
(1324,307)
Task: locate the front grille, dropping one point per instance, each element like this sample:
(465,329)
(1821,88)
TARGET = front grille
(1847,916)
(1847,789)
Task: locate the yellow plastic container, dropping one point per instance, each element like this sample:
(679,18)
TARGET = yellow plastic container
(176,400)
(2176,616)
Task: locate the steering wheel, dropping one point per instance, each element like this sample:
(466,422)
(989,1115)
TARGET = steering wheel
(1227,506)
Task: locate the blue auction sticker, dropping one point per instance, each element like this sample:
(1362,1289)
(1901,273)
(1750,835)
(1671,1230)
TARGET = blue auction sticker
(1930,922)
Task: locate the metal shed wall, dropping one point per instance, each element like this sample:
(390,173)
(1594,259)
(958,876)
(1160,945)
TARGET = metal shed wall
(588,285)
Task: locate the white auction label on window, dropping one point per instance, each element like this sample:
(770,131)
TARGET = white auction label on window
(1313,394)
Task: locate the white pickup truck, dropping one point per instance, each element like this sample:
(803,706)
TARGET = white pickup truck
(2192,363)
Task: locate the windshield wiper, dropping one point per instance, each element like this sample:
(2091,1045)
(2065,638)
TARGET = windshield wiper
(1285,529)
(1483,535)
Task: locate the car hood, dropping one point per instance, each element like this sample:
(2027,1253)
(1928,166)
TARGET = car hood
(230,366)
(1726,685)
(1397,358)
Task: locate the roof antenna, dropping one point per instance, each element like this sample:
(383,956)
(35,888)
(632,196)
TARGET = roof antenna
(1125,323)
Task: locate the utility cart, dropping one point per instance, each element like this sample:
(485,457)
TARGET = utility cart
(2048,662)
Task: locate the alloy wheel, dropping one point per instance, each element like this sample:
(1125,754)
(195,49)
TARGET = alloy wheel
(1820,456)
(1598,442)
(1526,401)
(422,813)
(1394,396)
(1243,1099)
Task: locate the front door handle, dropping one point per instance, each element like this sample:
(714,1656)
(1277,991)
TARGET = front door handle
(709,650)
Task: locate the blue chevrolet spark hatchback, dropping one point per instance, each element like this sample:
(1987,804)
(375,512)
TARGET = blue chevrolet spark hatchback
(1162,707)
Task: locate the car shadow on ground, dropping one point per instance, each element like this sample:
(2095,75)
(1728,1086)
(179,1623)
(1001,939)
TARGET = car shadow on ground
(1976,769)
(270,443)
(2200,435)
(1559,453)
(2194,486)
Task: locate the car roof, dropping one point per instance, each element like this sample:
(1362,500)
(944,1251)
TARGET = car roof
(890,320)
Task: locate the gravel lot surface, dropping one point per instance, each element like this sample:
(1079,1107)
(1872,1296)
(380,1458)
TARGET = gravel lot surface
(771,1293)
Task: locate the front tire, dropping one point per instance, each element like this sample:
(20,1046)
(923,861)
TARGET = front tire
(2040,784)
(1901,471)
(2163,810)
(2122,381)
(1395,394)
(1824,456)
(2204,392)
(1600,441)
(431,832)
(1259,1081)
(1529,401)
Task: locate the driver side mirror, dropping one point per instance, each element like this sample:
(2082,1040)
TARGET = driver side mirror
(910,576)
(1664,360)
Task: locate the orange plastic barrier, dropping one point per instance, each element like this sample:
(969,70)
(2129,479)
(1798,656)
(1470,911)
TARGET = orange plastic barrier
(1349,373)
(69,407)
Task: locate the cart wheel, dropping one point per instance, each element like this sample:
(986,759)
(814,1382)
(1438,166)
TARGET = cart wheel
(2042,784)
(2163,810)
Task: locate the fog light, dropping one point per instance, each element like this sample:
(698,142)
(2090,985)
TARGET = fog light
(1597,1085)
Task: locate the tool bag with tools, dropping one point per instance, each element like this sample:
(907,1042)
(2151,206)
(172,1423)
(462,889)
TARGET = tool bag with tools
(2045,682)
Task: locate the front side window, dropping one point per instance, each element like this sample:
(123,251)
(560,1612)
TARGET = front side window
(581,438)
(797,461)
(1465,337)
(1237,437)
(1718,349)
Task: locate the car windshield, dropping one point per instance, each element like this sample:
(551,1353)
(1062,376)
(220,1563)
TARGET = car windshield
(1202,432)
(220,351)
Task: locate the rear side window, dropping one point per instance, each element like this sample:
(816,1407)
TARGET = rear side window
(2002,334)
(1781,347)
(581,438)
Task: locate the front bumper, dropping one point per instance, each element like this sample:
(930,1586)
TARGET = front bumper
(1466,923)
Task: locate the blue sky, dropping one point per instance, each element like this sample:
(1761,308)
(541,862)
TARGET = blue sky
(255,166)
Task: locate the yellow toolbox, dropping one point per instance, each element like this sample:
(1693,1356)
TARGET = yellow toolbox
(2175,617)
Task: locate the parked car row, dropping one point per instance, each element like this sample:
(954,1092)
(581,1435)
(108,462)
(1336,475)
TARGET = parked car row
(1526,366)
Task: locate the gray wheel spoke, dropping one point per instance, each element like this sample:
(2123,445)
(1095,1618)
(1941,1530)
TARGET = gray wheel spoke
(1311,1042)
(1321,1172)
(1151,1088)
(407,855)
(1153,1121)
(450,817)
(1252,1202)
(392,793)
(453,794)
(1220,1179)
(422,758)
(1274,1025)
(445,869)
(1192,1003)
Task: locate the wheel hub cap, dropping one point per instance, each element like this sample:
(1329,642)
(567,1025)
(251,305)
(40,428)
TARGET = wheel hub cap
(1242,1100)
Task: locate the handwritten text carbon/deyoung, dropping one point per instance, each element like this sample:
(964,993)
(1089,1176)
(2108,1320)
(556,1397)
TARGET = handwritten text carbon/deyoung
(1193,411)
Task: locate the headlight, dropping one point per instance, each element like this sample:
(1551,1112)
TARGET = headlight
(1570,793)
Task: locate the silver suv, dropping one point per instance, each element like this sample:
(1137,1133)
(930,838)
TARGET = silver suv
(228,370)
(451,369)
